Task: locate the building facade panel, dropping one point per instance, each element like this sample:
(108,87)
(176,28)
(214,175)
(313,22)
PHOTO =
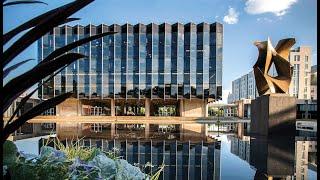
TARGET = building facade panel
(140,61)
(313,83)
(300,59)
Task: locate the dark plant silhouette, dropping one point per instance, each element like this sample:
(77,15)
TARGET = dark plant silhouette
(50,66)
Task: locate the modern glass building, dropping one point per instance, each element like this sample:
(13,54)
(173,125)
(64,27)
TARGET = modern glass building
(182,160)
(140,61)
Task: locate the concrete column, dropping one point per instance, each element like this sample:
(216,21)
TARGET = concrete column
(240,109)
(181,129)
(57,128)
(79,128)
(204,130)
(58,107)
(147,130)
(36,128)
(79,108)
(240,130)
(113,108)
(205,109)
(113,129)
(147,107)
(181,108)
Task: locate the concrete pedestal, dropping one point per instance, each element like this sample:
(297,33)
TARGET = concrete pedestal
(273,114)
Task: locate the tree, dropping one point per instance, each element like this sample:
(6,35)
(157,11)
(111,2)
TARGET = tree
(48,67)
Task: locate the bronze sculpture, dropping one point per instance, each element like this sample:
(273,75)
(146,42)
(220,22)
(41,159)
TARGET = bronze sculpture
(265,83)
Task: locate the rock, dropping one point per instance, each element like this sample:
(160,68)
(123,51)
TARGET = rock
(128,171)
(52,154)
(107,166)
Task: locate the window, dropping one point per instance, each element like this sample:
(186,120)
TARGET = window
(96,127)
(306,66)
(296,58)
(306,58)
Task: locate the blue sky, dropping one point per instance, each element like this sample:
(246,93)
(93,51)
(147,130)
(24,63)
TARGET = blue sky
(245,21)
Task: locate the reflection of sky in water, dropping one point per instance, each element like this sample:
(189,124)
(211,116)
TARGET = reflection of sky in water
(30,145)
(232,167)
(312,174)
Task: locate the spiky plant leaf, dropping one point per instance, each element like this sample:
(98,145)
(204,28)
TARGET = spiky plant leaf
(15,87)
(33,22)
(25,99)
(24,2)
(35,111)
(13,67)
(73,45)
(43,27)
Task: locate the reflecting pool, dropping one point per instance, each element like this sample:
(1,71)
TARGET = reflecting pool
(190,152)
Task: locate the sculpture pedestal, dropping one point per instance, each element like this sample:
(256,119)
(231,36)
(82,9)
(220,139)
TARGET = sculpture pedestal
(272,157)
(273,114)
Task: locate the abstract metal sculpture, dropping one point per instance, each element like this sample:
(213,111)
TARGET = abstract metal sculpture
(265,83)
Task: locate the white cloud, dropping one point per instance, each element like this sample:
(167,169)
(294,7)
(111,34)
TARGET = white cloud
(277,7)
(265,19)
(231,17)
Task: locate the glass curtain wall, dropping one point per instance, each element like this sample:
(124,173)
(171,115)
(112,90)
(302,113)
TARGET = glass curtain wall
(139,61)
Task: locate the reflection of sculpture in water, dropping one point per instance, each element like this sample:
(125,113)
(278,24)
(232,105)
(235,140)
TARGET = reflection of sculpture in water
(265,83)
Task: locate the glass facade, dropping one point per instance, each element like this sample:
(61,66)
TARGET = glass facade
(140,61)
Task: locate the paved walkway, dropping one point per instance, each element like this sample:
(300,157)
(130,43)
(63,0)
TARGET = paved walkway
(135,119)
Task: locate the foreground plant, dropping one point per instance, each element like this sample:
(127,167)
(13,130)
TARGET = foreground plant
(71,162)
(49,67)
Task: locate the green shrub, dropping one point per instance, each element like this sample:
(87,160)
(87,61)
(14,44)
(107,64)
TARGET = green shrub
(71,161)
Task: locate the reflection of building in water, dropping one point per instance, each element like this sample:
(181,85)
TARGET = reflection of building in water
(241,147)
(228,127)
(229,110)
(306,128)
(273,158)
(28,130)
(304,148)
(223,127)
(182,159)
(183,132)
(184,148)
